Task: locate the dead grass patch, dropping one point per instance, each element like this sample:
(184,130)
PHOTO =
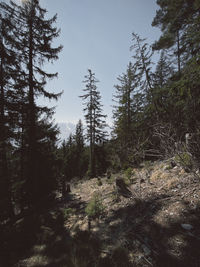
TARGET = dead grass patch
(171,183)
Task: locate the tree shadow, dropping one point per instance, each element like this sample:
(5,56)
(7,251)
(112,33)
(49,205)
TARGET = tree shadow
(161,245)
(43,239)
(38,234)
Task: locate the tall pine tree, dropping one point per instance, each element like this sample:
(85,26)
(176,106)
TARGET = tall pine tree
(34,35)
(95,120)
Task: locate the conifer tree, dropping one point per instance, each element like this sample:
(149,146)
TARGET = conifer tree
(124,98)
(95,120)
(79,149)
(143,56)
(179,23)
(34,35)
(129,105)
(9,66)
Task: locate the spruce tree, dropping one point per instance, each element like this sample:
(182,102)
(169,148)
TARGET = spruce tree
(95,120)
(34,35)
(79,149)
(129,105)
(9,66)
(179,23)
(123,109)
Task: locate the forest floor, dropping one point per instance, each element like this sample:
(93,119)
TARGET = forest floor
(157,226)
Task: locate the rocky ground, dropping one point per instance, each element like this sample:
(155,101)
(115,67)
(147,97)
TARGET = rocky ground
(158,225)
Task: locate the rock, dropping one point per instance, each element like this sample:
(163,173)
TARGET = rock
(165,168)
(186,226)
(142,180)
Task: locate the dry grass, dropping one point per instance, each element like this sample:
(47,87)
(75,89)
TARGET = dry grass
(171,183)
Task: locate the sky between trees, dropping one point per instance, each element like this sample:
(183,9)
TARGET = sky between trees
(96,35)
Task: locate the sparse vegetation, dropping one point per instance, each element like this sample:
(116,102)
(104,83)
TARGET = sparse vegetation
(115,196)
(185,160)
(128,172)
(67,212)
(95,207)
(99,182)
(57,206)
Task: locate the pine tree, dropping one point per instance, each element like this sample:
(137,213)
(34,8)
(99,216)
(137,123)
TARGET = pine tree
(9,66)
(142,55)
(95,120)
(129,105)
(123,110)
(79,138)
(179,23)
(34,35)
(79,149)
(160,82)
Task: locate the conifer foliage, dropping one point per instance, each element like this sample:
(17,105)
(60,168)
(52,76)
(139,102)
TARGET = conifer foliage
(27,136)
(95,120)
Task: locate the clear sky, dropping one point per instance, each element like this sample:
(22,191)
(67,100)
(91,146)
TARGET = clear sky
(96,34)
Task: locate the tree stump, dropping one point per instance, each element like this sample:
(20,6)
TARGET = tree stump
(122,188)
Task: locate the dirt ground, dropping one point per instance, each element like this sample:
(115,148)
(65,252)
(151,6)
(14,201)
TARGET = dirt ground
(158,225)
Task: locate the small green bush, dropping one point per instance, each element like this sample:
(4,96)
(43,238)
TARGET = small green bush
(128,172)
(111,180)
(67,212)
(184,159)
(95,207)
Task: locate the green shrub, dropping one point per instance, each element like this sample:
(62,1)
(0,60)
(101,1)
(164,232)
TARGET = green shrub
(95,207)
(184,159)
(128,172)
(67,212)
(111,180)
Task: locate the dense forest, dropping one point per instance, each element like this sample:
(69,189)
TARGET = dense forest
(156,106)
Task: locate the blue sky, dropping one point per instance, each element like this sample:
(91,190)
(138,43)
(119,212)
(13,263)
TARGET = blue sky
(96,34)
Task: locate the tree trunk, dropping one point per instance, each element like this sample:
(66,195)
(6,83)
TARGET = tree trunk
(32,184)
(5,193)
(178,53)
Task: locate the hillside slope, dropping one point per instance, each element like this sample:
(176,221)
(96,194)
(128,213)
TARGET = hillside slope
(157,226)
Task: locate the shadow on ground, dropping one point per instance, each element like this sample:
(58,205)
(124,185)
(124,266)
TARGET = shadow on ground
(43,240)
